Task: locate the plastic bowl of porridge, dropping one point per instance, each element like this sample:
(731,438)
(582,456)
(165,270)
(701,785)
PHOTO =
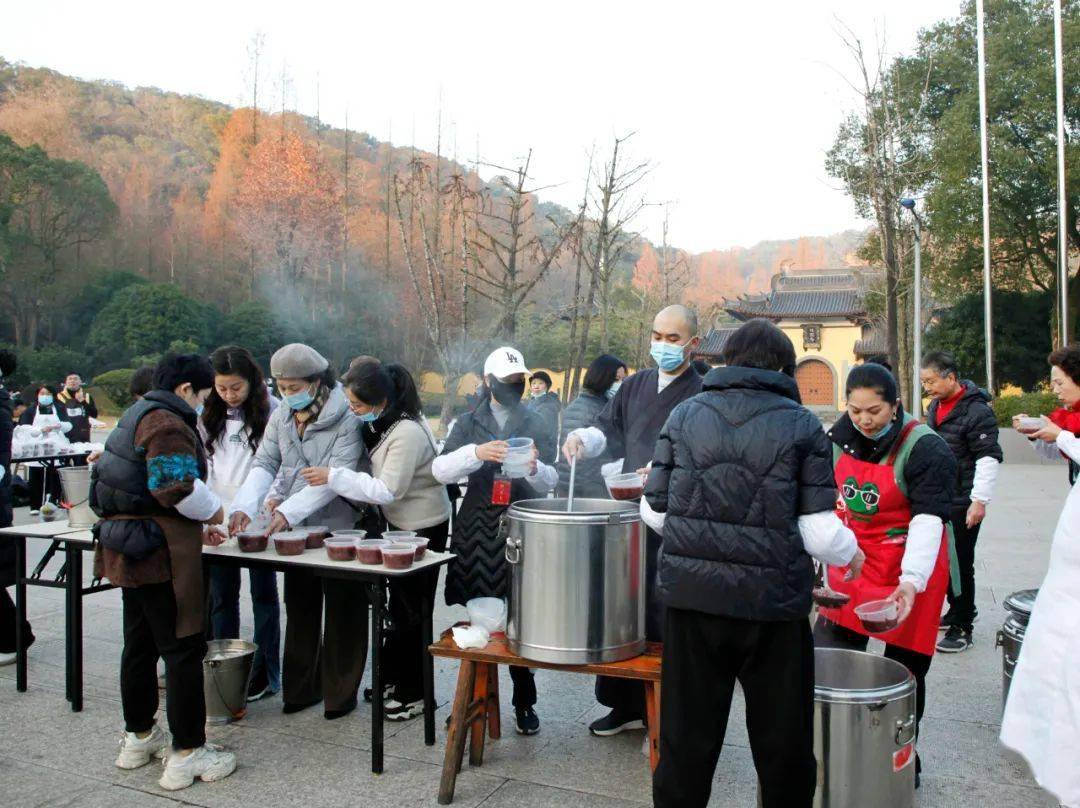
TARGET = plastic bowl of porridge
(290,543)
(341,549)
(252,541)
(878,616)
(418,542)
(316,535)
(398,556)
(369,551)
(625,486)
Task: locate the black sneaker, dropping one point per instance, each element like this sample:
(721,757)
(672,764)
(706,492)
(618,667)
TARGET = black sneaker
(404,711)
(615,722)
(527,721)
(955,641)
(947,620)
(369,694)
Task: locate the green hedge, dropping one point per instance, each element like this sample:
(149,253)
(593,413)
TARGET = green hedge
(1042,402)
(115,384)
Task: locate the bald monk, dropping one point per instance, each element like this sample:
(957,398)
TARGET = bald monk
(629,427)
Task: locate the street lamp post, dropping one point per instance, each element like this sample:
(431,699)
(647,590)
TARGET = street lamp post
(916,348)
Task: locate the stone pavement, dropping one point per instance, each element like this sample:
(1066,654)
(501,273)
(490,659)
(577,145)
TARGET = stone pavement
(51,756)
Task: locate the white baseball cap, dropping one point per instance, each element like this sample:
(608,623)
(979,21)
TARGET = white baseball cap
(504,362)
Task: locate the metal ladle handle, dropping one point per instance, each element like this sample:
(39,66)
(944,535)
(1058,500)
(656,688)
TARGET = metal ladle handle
(573,475)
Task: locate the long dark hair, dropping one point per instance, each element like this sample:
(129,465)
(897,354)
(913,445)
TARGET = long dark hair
(602,374)
(233,361)
(373,383)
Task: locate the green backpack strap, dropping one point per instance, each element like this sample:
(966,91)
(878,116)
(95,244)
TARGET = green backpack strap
(918,433)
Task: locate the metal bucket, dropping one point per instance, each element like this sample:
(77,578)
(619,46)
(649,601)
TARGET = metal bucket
(75,481)
(577,581)
(864,730)
(1010,639)
(226,673)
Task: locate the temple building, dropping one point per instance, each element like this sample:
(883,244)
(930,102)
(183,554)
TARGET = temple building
(824,312)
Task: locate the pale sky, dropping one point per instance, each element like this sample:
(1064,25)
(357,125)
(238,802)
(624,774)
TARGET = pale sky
(734,102)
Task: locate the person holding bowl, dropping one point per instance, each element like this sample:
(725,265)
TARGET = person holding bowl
(896,479)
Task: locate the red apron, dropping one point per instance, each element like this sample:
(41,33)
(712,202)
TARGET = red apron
(872,504)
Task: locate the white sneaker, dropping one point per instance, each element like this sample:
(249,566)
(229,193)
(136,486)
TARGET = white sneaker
(207,763)
(136,752)
(7,659)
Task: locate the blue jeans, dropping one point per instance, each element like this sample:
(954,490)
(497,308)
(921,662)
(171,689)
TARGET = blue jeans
(225,615)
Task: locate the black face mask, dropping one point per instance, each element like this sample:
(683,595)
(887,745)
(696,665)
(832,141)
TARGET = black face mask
(507,394)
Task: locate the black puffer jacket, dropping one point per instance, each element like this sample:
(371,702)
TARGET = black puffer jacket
(579,414)
(549,408)
(971,431)
(735,467)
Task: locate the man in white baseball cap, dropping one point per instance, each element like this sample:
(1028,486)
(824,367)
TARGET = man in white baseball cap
(476,448)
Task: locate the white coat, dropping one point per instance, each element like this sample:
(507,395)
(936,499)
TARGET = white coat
(1042,715)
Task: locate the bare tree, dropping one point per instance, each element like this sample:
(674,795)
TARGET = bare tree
(877,157)
(511,251)
(614,205)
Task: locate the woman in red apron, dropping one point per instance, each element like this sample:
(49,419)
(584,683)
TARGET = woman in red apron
(895,478)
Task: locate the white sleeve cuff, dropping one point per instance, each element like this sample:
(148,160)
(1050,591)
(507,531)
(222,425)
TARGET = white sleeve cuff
(249,498)
(920,554)
(592,439)
(986,473)
(450,468)
(67,426)
(359,486)
(827,539)
(545,479)
(200,504)
(1069,444)
(654,520)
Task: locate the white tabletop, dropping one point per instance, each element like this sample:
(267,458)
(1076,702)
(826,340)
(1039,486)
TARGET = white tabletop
(40,530)
(317,559)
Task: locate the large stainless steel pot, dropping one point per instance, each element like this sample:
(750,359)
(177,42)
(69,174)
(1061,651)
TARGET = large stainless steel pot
(864,730)
(577,593)
(1011,636)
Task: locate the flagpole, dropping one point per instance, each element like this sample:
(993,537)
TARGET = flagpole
(988,315)
(1063,244)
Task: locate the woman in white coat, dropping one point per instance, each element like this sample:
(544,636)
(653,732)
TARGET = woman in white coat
(1042,715)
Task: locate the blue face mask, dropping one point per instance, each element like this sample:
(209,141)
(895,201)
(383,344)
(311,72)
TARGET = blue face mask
(611,391)
(881,433)
(668,357)
(199,409)
(45,401)
(369,417)
(298,401)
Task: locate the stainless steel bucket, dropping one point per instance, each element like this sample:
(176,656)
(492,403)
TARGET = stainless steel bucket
(75,482)
(1011,636)
(226,673)
(577,593)
(864,730)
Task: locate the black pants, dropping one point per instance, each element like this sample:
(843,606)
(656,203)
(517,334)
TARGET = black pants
(401,646)
(963,605)
(774,662)
(7,624)
(626,696)
(150,633)
(44,482)
(828,634)
(323,664)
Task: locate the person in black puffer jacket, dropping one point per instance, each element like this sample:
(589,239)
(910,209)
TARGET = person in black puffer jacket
(960,413)
(602,381)
(743,476)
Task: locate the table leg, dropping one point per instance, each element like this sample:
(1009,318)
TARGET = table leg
(69,632)
(20,613)
(427,666)
(652,710)
(493,710)
(74,587)
(377,708)
(478,728)
(455,736)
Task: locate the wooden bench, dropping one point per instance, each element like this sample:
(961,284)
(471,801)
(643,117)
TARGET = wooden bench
(476,699)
